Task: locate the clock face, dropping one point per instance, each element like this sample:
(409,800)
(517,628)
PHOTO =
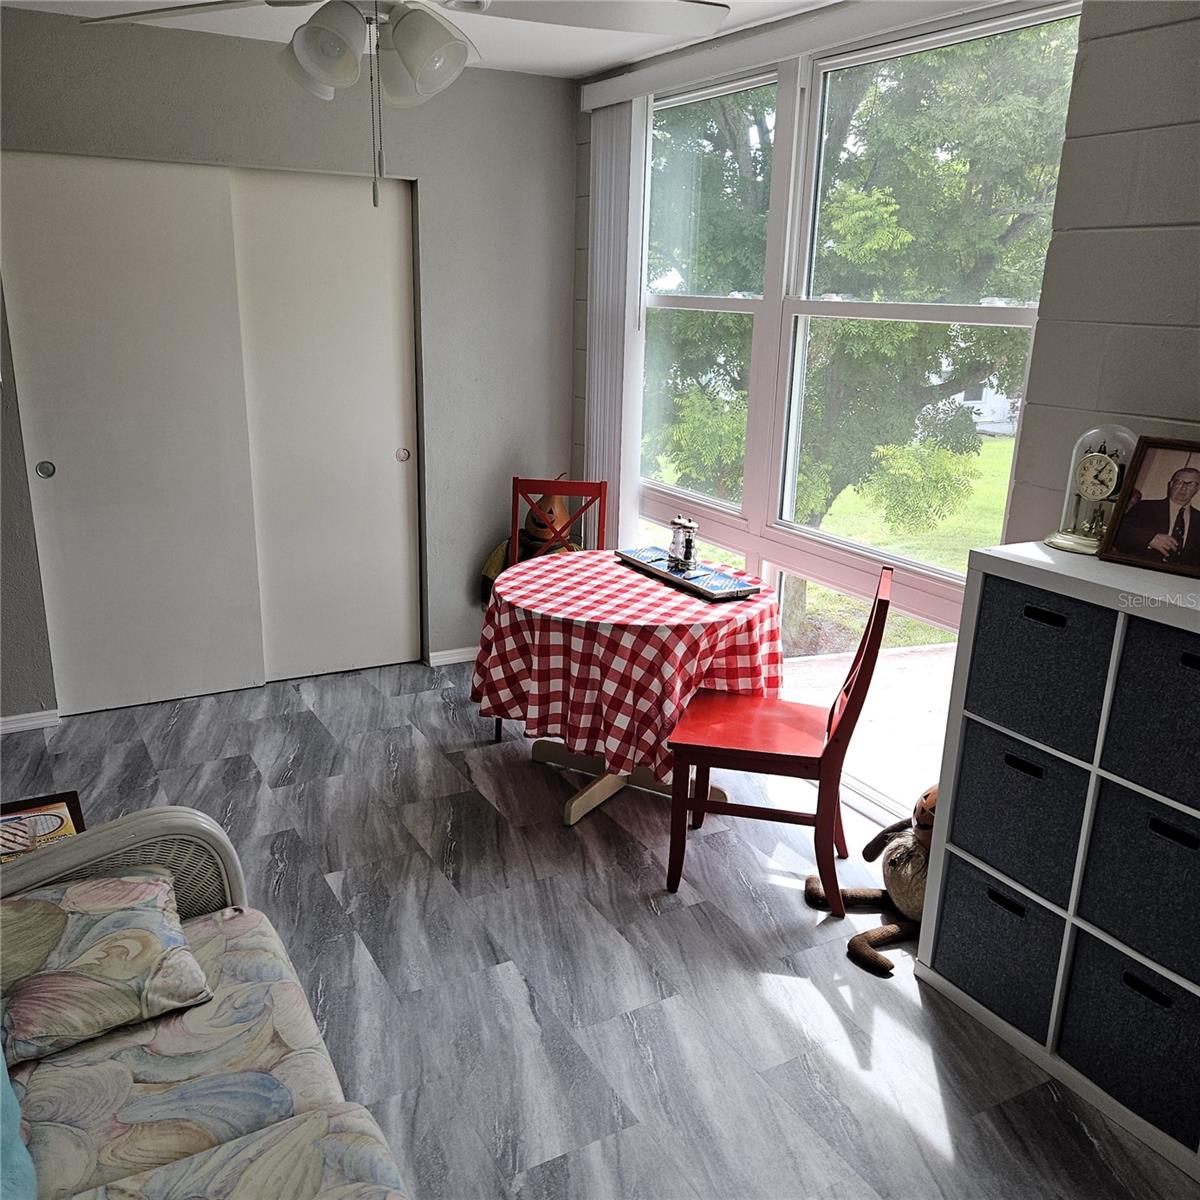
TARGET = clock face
(1096,477)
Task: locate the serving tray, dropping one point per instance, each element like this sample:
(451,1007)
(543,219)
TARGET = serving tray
(709,583)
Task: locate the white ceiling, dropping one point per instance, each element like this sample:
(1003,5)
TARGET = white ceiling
(503,44)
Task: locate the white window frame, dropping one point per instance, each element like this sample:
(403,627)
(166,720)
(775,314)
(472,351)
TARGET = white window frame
(757,529)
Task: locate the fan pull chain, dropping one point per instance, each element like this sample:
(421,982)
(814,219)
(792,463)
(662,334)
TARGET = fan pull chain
(382,163)
(372,62)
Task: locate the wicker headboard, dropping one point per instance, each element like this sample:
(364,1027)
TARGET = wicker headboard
(208,875)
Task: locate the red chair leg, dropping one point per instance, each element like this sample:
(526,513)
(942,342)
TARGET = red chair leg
(700,792)
(679,812)
(824,834)
(839,834)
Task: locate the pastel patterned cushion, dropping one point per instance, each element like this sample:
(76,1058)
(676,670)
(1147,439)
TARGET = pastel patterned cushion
(79,959)
(335,1153)
(156,1092)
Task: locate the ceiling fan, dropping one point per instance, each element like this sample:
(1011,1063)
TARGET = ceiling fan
(686,18)
(412,51)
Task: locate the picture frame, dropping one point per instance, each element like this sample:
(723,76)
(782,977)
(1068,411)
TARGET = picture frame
(1157,494)
(27,825)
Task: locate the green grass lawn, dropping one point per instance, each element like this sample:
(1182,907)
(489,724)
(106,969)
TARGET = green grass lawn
(976,524)
(819,620)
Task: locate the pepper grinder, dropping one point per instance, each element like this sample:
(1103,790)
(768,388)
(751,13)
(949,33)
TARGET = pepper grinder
(682,554)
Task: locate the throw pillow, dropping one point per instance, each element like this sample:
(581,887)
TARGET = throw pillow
(78,959)
(17,1181)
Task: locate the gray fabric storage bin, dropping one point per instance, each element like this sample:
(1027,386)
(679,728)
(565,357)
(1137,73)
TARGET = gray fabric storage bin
(1153,735)
(999,946)
(1039,664)
(1141,882)
(1135,1034)
(1019,809)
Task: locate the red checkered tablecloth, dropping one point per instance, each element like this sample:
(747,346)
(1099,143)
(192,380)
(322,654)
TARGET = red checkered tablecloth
(583,648)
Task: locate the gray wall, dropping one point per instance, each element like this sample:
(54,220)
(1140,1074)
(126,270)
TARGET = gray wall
(1118,338)
(494,160)
(26,682)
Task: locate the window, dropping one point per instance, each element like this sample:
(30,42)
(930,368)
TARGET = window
(938,170)
(710,168)
(897,746)
(936,173)
(903,433)
(710,184)
(841,279)
(694,401)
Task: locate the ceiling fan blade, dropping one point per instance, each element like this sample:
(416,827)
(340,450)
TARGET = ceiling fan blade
(685,18)
(181,10)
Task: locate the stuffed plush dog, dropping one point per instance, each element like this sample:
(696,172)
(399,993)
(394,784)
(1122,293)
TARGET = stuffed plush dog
(905,850)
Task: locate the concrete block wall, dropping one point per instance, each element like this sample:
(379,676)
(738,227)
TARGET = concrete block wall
(1118,336)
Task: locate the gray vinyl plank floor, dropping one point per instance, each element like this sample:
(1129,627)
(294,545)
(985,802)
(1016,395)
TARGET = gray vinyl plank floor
(531,1016)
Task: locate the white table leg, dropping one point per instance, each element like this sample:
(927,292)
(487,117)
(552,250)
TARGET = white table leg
(593,794)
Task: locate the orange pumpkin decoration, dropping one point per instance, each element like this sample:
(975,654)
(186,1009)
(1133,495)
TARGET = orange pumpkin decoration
(554,507)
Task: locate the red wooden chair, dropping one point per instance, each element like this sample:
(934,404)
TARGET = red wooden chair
(775,737)
(592,492)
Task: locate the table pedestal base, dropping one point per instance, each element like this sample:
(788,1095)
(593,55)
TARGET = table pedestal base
(605,784)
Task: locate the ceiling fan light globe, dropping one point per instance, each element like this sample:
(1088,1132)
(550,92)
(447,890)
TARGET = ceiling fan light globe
(399,90)
(297,73)
(329,45)
(433,52)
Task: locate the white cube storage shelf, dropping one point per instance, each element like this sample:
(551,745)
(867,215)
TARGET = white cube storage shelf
(1061,909)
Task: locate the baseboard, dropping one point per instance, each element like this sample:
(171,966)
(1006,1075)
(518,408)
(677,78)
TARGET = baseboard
(34,720)
(443,658)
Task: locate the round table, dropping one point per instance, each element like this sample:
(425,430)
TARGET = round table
(584,649)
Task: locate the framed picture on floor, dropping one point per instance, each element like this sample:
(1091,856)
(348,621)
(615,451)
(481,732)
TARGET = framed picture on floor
(1157,519)
(27,825)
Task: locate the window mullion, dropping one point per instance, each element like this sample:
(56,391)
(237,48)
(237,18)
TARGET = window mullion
(932,313)
(764,428)
(677,300)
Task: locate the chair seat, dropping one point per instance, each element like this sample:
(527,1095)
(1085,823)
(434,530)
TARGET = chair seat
(750,725)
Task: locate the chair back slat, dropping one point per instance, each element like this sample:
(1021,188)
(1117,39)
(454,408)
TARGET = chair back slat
(844,712)
(593,492)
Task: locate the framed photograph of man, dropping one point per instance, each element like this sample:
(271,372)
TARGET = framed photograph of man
(1156,523)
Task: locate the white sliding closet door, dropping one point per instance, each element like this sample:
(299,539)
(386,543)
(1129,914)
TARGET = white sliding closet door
(326,291)
(122,303)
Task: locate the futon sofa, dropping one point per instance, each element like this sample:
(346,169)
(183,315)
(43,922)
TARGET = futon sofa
(235,1098)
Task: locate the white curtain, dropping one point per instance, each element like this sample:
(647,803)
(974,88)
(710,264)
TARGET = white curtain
(614,354)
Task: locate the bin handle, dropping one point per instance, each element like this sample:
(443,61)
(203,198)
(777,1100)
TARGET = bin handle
(1006,902)
(1190,660)
(1023,765)
(1146,990)
(1172,833)
(1045,616)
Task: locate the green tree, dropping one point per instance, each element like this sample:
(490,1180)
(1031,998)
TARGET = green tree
(937,185)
